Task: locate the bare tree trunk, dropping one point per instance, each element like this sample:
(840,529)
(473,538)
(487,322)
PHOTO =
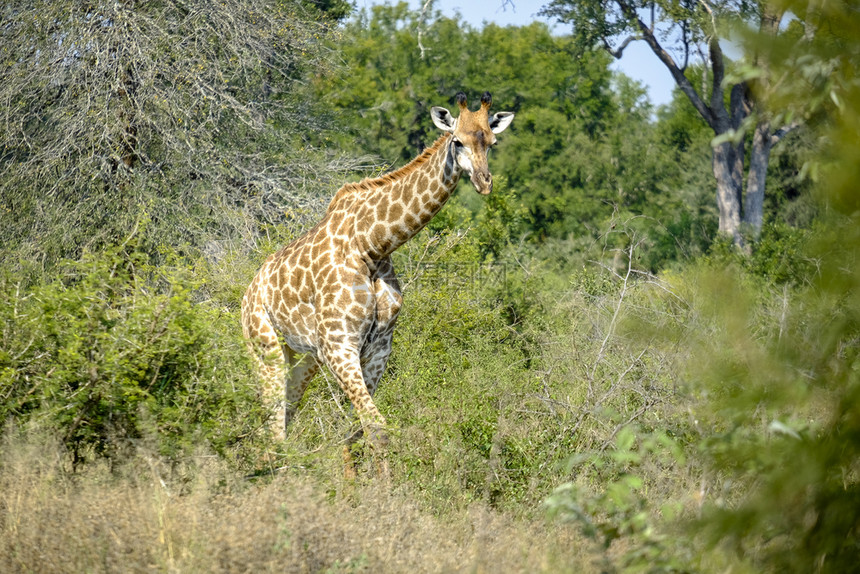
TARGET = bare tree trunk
(738,109)
(728,193)
(128,146)
(759,157)
(728,157)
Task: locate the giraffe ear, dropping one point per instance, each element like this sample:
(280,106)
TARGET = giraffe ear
(501,121)
(443,119)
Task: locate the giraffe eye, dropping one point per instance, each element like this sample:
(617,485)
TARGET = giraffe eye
(457,143)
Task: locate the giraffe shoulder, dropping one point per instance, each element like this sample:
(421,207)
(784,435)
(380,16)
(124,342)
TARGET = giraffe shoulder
(346,195)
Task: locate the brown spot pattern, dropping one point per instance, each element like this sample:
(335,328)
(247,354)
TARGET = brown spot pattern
(332,295)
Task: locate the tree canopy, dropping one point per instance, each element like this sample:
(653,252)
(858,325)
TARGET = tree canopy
(170,115)
(586,151)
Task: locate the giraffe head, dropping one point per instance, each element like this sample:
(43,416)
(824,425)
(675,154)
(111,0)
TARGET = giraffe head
(473,136)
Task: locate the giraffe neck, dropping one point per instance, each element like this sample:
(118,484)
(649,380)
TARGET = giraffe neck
(394,208)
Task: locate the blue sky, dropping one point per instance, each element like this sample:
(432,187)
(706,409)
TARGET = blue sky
(638,61)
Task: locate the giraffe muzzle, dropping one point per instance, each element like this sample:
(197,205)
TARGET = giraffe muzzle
(483,183)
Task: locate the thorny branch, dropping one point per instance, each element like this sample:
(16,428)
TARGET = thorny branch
(183,96)
(613,374)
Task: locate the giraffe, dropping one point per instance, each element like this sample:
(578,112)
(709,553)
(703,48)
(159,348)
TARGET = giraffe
(331,296)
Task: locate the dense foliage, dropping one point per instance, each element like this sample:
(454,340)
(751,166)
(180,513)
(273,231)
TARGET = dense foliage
(584,152)
(113,350)
(732,96)
(581,342)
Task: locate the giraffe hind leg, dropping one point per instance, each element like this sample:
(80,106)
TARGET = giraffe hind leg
(271,365)
(285,374)
(302,370)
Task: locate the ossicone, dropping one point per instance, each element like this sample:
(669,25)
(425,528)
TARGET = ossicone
(486,100)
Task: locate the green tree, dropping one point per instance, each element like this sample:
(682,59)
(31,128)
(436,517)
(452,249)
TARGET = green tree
(110,349)
(399,62)
(586,154)
(771,368)
(583,154)
(730,98)
(787,398)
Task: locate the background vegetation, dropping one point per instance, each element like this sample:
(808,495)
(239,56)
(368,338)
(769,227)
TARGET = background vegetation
(586,375)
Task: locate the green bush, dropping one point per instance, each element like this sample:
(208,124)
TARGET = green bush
(623,507)
(112,350)
(502,367)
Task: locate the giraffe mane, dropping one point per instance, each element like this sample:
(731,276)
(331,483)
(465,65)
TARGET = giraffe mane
(368,183)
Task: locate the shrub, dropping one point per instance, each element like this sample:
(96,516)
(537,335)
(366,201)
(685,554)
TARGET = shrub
(112,350)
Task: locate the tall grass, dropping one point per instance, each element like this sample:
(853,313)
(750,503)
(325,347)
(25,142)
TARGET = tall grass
(203,516)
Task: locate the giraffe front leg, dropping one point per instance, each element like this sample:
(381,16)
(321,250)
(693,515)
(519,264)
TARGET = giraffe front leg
(376,356)
(345,363)
(347,369)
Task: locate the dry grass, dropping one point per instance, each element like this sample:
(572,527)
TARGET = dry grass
(208,518)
